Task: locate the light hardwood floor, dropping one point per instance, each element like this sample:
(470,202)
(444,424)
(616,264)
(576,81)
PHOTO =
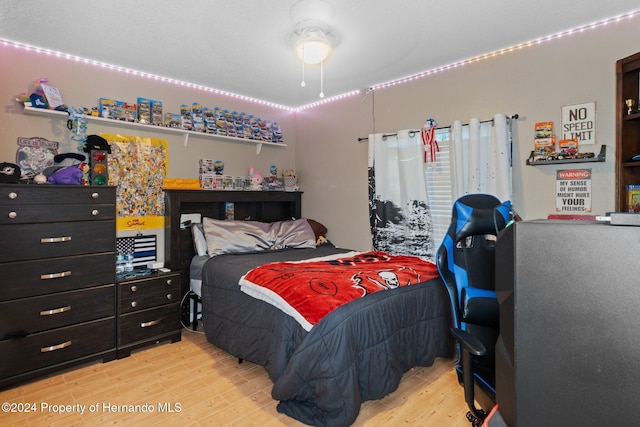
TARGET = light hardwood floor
(193,383)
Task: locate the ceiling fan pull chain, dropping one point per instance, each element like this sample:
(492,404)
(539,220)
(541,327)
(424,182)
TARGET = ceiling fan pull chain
(322,79)
(303,84)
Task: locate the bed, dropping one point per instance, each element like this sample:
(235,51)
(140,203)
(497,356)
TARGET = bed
(357,352)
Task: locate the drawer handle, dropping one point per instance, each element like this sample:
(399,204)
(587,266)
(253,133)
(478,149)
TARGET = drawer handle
(151,323)
(55,239)
(134,288)
(95,195)
(13,195)
(55,275)
(169,282)
(134,304)
(55,311)
(13,215)
(56,347)
(169,296)
(95,212)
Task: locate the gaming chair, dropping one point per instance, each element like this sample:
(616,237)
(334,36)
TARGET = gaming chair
(466,264)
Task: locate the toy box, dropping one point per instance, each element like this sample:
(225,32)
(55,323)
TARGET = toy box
(543,130)
(107,108)
(186,121)
(209,120)
(206,181)
(197,117)
(544,146)
(633,197)
(52,95)
(156,113)
(119,107)
(568,147)
(130,112)
(172,120)
(207,166)
(144,111)
(544,141)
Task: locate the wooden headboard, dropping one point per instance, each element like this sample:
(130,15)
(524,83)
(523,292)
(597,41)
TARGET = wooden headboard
(266,206)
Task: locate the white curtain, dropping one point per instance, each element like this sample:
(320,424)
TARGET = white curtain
(399,205)
(481,157)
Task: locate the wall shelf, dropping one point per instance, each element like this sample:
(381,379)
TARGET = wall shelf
(601,157)
(627,130)
(150,128)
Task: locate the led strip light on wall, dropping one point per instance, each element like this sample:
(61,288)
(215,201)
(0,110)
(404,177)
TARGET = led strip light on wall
(410,78)
(506,50)
(142,74)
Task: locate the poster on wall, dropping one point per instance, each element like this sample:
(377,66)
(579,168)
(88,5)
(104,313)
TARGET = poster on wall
(573,191)
(137,167)
(579,122)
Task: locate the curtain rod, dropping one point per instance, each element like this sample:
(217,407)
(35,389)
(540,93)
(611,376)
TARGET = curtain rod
(513,117)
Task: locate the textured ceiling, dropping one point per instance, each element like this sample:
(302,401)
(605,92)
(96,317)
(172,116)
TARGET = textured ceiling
(245,47)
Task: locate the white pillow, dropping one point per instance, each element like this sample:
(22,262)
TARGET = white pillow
(199,241)
(235,237)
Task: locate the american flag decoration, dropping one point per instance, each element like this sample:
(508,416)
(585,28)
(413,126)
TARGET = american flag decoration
(142,247)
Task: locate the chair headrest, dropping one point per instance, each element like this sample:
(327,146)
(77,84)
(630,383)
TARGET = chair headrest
(479,214)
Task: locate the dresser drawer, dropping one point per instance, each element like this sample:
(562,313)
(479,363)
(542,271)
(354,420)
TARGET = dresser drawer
(21,214)
(36,314)
(146,324)
(46,276)
(150,292)
(11,195)
(57,346)
(33,241)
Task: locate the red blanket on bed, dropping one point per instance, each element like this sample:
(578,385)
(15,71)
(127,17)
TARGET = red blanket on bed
(309,290)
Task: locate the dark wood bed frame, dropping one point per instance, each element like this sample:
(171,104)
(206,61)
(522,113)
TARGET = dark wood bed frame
(266,206)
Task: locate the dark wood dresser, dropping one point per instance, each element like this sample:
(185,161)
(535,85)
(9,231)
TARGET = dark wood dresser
(57,278)
(148,311)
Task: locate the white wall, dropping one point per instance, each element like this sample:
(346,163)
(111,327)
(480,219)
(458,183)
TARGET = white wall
(82,85)
(534,82)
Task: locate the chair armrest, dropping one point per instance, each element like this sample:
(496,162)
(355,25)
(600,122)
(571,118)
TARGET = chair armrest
(480,307)
(469,342)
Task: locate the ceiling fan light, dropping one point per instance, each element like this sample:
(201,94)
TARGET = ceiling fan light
(313,51)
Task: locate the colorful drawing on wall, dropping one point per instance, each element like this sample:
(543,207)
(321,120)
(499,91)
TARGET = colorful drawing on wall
(137,167)
(34,155)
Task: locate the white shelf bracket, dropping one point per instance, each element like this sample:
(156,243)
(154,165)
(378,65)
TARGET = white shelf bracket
(186,139)
(258,148)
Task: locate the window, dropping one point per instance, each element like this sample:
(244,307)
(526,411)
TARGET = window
(438,176)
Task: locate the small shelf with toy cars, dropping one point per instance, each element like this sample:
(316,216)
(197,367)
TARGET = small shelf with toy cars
(537,160)
(152,128)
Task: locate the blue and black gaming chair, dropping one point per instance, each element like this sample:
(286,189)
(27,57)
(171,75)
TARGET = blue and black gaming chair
(467,265)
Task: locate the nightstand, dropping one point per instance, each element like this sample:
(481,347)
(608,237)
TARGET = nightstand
(148,310)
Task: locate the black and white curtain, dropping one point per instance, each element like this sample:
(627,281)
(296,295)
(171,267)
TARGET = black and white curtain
(398,202)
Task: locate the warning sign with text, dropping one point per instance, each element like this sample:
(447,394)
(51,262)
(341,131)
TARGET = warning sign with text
(573,190)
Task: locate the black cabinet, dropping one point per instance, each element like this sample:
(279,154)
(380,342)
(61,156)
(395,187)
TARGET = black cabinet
(569,325)
(148,311)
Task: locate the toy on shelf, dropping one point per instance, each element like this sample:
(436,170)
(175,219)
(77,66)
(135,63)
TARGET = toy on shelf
(255,178)
(290,180)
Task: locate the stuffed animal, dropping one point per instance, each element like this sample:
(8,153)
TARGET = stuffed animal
(69,175)
(288,173)
(256,182)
